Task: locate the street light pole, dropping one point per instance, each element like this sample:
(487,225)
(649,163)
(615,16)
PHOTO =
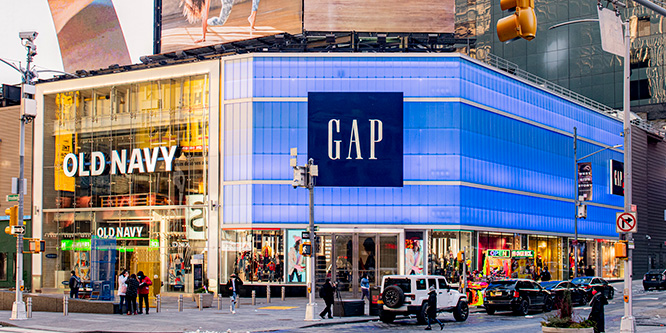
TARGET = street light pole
(628,323)
(576,202)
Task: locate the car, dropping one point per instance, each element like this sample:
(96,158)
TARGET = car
(589,283)
(655,278)
(558,288)
(517,295)
(408,294)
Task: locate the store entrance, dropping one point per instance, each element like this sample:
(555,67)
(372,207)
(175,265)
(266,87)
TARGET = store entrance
(346,258)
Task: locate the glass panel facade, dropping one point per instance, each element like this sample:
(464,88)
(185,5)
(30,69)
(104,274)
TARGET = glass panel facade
(113,156)
(256,256)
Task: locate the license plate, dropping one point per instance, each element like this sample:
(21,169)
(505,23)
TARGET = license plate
(497,293)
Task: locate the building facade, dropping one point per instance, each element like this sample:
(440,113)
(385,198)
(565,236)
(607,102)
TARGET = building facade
(183,172)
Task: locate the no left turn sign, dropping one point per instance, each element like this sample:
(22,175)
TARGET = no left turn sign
(626,222)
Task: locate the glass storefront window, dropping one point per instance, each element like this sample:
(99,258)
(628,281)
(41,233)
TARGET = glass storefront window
(491,240)
(548,254)
(256,256)
(611,267)
(443,256)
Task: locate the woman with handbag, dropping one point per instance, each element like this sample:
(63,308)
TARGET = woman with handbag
(122,290)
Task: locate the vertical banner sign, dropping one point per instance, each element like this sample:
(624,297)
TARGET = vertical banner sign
(295,261)
(194,216)
(617,177)
(356,138)
(585,181)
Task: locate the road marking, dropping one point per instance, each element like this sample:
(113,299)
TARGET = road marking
(277,307)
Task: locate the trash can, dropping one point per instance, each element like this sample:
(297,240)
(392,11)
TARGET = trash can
(375,301)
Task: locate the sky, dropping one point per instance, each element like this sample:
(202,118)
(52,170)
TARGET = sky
(135,16)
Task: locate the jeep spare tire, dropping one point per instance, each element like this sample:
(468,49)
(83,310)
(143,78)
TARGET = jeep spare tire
(393,296)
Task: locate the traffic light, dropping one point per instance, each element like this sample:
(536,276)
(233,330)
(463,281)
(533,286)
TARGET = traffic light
(460,255)
(621,249)
(13,218)
(37,246)
(307,249)
(522,22)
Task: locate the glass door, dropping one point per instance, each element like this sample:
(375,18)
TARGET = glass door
(344,258)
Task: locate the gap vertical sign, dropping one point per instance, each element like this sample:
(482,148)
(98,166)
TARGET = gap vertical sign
(356,138)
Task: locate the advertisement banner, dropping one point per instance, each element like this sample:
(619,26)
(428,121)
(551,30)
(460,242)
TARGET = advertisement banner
(435,16)
(195,217)
(356,139)
(295,261)
(414,253)
(188,24)
(63,145)
(585,181)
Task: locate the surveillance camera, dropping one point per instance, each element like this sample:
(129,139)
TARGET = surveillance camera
(648,237)
(29,35)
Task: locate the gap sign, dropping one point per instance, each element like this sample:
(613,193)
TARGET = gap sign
(356,139)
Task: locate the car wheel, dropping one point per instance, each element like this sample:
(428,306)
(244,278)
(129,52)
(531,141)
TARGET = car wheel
(393,297)
(548,305)
(522,309)
(422,316)
(387,317)
(461,312)
(490,310)
(647,288)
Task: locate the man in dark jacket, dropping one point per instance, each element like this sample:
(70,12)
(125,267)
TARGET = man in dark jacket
(589,271)
(144,290)
(233,285)
(431,310)
(74,284)
(545,275)
(327,292)
(597,312)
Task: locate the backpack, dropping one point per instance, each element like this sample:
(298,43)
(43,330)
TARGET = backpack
(77,282)
(322,294)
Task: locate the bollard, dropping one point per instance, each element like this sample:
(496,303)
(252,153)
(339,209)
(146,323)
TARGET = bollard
(200,302)
(158,303)
(284,291)
(29,307)
(65,304)
(219,302)
(268,293)
(180,303)
(254,295)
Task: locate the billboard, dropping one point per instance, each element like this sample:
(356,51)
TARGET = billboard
(356,138)
(94,34)
(188,24)
(436,16)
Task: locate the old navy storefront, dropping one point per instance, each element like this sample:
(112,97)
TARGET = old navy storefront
(183,172)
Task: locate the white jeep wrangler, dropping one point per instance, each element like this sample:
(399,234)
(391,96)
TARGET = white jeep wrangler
(408,294)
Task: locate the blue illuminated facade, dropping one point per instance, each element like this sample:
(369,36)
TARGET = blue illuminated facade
(482,150)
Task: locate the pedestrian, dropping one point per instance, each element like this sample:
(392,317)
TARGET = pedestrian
(597,313)
(545,275)
(130,294)
(326,292)
(431,310)
(589,271)
(233,285)
(365,287)
(74,285)
(122,289)
(144,290)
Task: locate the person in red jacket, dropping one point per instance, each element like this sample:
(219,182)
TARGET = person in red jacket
(144,289)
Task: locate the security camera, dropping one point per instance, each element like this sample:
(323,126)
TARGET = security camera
(29,35)
(648,237)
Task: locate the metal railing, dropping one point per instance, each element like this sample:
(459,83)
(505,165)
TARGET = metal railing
(511,68)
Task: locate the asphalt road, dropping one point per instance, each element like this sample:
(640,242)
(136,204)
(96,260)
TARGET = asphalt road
(649,310)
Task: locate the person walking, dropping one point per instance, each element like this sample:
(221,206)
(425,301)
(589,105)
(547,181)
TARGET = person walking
(589,271)
(327,292)
(144,290)
(122,290)
(597,313)
(132,291)
(74,285)
(233,285)
(431,310)
(365,287)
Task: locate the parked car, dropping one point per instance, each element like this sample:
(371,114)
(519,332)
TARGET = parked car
(589,283)
(408,294)
(517,295)
(655,278)
(558,288)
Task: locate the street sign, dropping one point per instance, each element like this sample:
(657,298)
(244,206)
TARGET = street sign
(18,230)
(626,222)
(12,197)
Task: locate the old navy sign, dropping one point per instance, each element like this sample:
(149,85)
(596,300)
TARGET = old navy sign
(122,161)
(356,138)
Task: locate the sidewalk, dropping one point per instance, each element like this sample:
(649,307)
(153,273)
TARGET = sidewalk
(278,315)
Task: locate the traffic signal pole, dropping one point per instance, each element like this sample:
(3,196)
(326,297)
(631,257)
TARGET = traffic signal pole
(310,310)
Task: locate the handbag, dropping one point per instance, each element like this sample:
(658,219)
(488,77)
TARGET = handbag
(123,289)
